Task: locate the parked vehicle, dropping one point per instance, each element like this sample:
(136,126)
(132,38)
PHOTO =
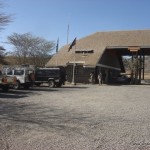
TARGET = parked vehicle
(122,79)
(55,76)
(6,82)
(22,75)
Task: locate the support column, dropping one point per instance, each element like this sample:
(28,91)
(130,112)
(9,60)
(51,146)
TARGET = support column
(140,68)
(136,68)
(143,65)
(132,78)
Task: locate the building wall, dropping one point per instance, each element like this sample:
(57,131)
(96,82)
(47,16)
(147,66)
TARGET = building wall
(82,75)
(109,66)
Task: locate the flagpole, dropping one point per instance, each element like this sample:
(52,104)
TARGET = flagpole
(73,71)
(73,68)
(67,33)
(57,51)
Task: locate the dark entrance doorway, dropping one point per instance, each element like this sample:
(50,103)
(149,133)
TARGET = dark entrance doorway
(137,55)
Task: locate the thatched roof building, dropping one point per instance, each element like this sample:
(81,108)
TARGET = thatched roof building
(102,49)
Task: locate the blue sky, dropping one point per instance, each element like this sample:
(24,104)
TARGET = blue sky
(49,18)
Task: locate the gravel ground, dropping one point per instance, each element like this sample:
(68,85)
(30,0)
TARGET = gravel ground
(81,117)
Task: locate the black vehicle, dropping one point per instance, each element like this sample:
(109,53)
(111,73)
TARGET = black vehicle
(55,77)
(122,79)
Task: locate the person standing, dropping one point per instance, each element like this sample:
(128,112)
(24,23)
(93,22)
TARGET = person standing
(92,77)
(100,78)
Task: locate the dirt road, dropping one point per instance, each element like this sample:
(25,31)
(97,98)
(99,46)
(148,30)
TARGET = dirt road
(81,117)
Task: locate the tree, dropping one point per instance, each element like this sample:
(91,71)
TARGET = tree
(134,65)
(4,20)
(2,56)
(30,49)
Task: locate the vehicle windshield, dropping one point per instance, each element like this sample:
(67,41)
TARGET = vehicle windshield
(18,72)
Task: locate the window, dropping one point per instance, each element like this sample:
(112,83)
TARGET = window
(85,51)
(18,72)
(39,73)
(9,72)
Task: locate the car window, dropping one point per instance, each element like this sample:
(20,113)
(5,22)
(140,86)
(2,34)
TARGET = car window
(39,73)
(50,72)
(56,72)
(9,72)
(47,73)
(18,72)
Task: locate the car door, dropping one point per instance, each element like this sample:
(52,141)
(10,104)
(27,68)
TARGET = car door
(40,75)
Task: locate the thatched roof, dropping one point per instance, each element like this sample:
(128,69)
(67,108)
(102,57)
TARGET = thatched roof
(98,42)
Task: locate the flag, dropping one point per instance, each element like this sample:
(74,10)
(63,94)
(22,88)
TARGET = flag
(72,44)
(57,45)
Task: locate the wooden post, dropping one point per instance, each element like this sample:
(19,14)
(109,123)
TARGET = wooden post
(137,68)
(134,49)
(143,65)
(132,81)
(140,66)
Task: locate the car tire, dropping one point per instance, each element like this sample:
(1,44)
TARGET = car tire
(17,85)
(51,84)
(58,84)
(26,86)
(37,84)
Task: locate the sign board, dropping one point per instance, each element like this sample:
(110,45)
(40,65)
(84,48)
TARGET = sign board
(134,49)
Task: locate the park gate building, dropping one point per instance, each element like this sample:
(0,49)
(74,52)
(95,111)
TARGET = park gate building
(102,52)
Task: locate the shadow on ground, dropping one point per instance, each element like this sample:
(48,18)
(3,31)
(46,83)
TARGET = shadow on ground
(45,117)
(22,93)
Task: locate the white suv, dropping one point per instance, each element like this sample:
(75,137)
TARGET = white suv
(23,76)
(6,82)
